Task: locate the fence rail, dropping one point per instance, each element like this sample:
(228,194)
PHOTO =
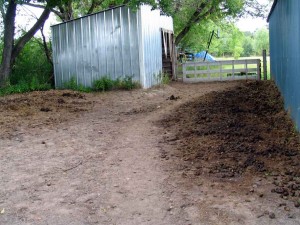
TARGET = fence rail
(221,70)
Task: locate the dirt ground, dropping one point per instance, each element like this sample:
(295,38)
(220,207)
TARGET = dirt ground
(213,153)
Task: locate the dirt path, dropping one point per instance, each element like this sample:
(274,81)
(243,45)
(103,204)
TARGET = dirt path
(97,159)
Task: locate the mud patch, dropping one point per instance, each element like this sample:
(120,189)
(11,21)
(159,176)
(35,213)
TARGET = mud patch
(240,132)
(39,108)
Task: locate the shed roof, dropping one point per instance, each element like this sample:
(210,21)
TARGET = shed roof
(272,9)
(89,15)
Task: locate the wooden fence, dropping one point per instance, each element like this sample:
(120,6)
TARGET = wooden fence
(221,70)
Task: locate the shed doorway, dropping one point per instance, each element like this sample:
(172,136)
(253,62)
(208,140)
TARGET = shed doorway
(168,53)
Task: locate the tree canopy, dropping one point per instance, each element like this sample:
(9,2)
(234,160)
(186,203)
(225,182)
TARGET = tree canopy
(193,20)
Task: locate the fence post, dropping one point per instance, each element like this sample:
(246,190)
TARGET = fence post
(265,64)
(183,72)
(246,65)
(258,69)
(220,64)
(233,75)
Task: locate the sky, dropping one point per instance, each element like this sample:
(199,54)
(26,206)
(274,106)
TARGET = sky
(25,18)
(252,24)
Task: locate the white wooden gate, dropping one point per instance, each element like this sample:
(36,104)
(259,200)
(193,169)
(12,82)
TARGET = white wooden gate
(221,70)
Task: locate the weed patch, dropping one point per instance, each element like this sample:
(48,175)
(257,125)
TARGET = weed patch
(72,85)
(23,87)
(107,84)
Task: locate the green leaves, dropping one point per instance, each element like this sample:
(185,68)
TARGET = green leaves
(261,40)
(190,13)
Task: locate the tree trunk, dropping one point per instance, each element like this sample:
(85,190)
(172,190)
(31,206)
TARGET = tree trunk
(9,30)
(48,55)
(11,51)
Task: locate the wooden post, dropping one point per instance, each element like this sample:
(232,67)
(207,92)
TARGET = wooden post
(246,65)
(265,64)
(233,77)
(258,69)
(220,64)
(174,61)
(183,72)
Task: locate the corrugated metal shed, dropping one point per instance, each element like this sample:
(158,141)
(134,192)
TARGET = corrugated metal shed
(117,42)
(284,25)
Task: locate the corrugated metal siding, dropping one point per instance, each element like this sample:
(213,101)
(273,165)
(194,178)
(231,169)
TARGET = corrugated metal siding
(285,53)
(151,44)
(102,44)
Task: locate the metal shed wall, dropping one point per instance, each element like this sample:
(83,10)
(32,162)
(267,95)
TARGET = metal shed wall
(151,44)
(284,25)
(101,44)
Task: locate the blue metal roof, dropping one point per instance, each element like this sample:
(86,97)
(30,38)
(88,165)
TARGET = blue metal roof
(272,9)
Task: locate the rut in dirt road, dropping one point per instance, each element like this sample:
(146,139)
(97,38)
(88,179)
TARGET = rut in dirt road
(137,195)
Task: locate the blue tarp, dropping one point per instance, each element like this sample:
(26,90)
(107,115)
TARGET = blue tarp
(209,58)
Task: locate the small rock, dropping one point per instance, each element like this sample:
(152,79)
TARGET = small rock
(279,190)
(297,204)
(172,97)
(291,216)
(61,101)
(287,209)
(260,195)
(45,109)
(260,215)
(282,204)
(272,216)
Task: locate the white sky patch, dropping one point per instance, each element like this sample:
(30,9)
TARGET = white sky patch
(252,24)
(27,16)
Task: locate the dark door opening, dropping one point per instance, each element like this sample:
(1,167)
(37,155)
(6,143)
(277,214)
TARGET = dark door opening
(168,53)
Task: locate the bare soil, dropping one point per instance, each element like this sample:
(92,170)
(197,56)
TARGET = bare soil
(215,153)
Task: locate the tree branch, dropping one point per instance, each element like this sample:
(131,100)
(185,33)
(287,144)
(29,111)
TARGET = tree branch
(195,18)
(59,14)
(91,9)
(26,37)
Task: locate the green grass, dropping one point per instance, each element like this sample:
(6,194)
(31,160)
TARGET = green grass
(103,84)
(23,87)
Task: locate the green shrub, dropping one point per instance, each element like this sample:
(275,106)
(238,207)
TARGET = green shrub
(22,87)
(31,66)
(165,79)
(30,72)
(107,84)
(72,85)
(104,84)
(162,78)
(128,83)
